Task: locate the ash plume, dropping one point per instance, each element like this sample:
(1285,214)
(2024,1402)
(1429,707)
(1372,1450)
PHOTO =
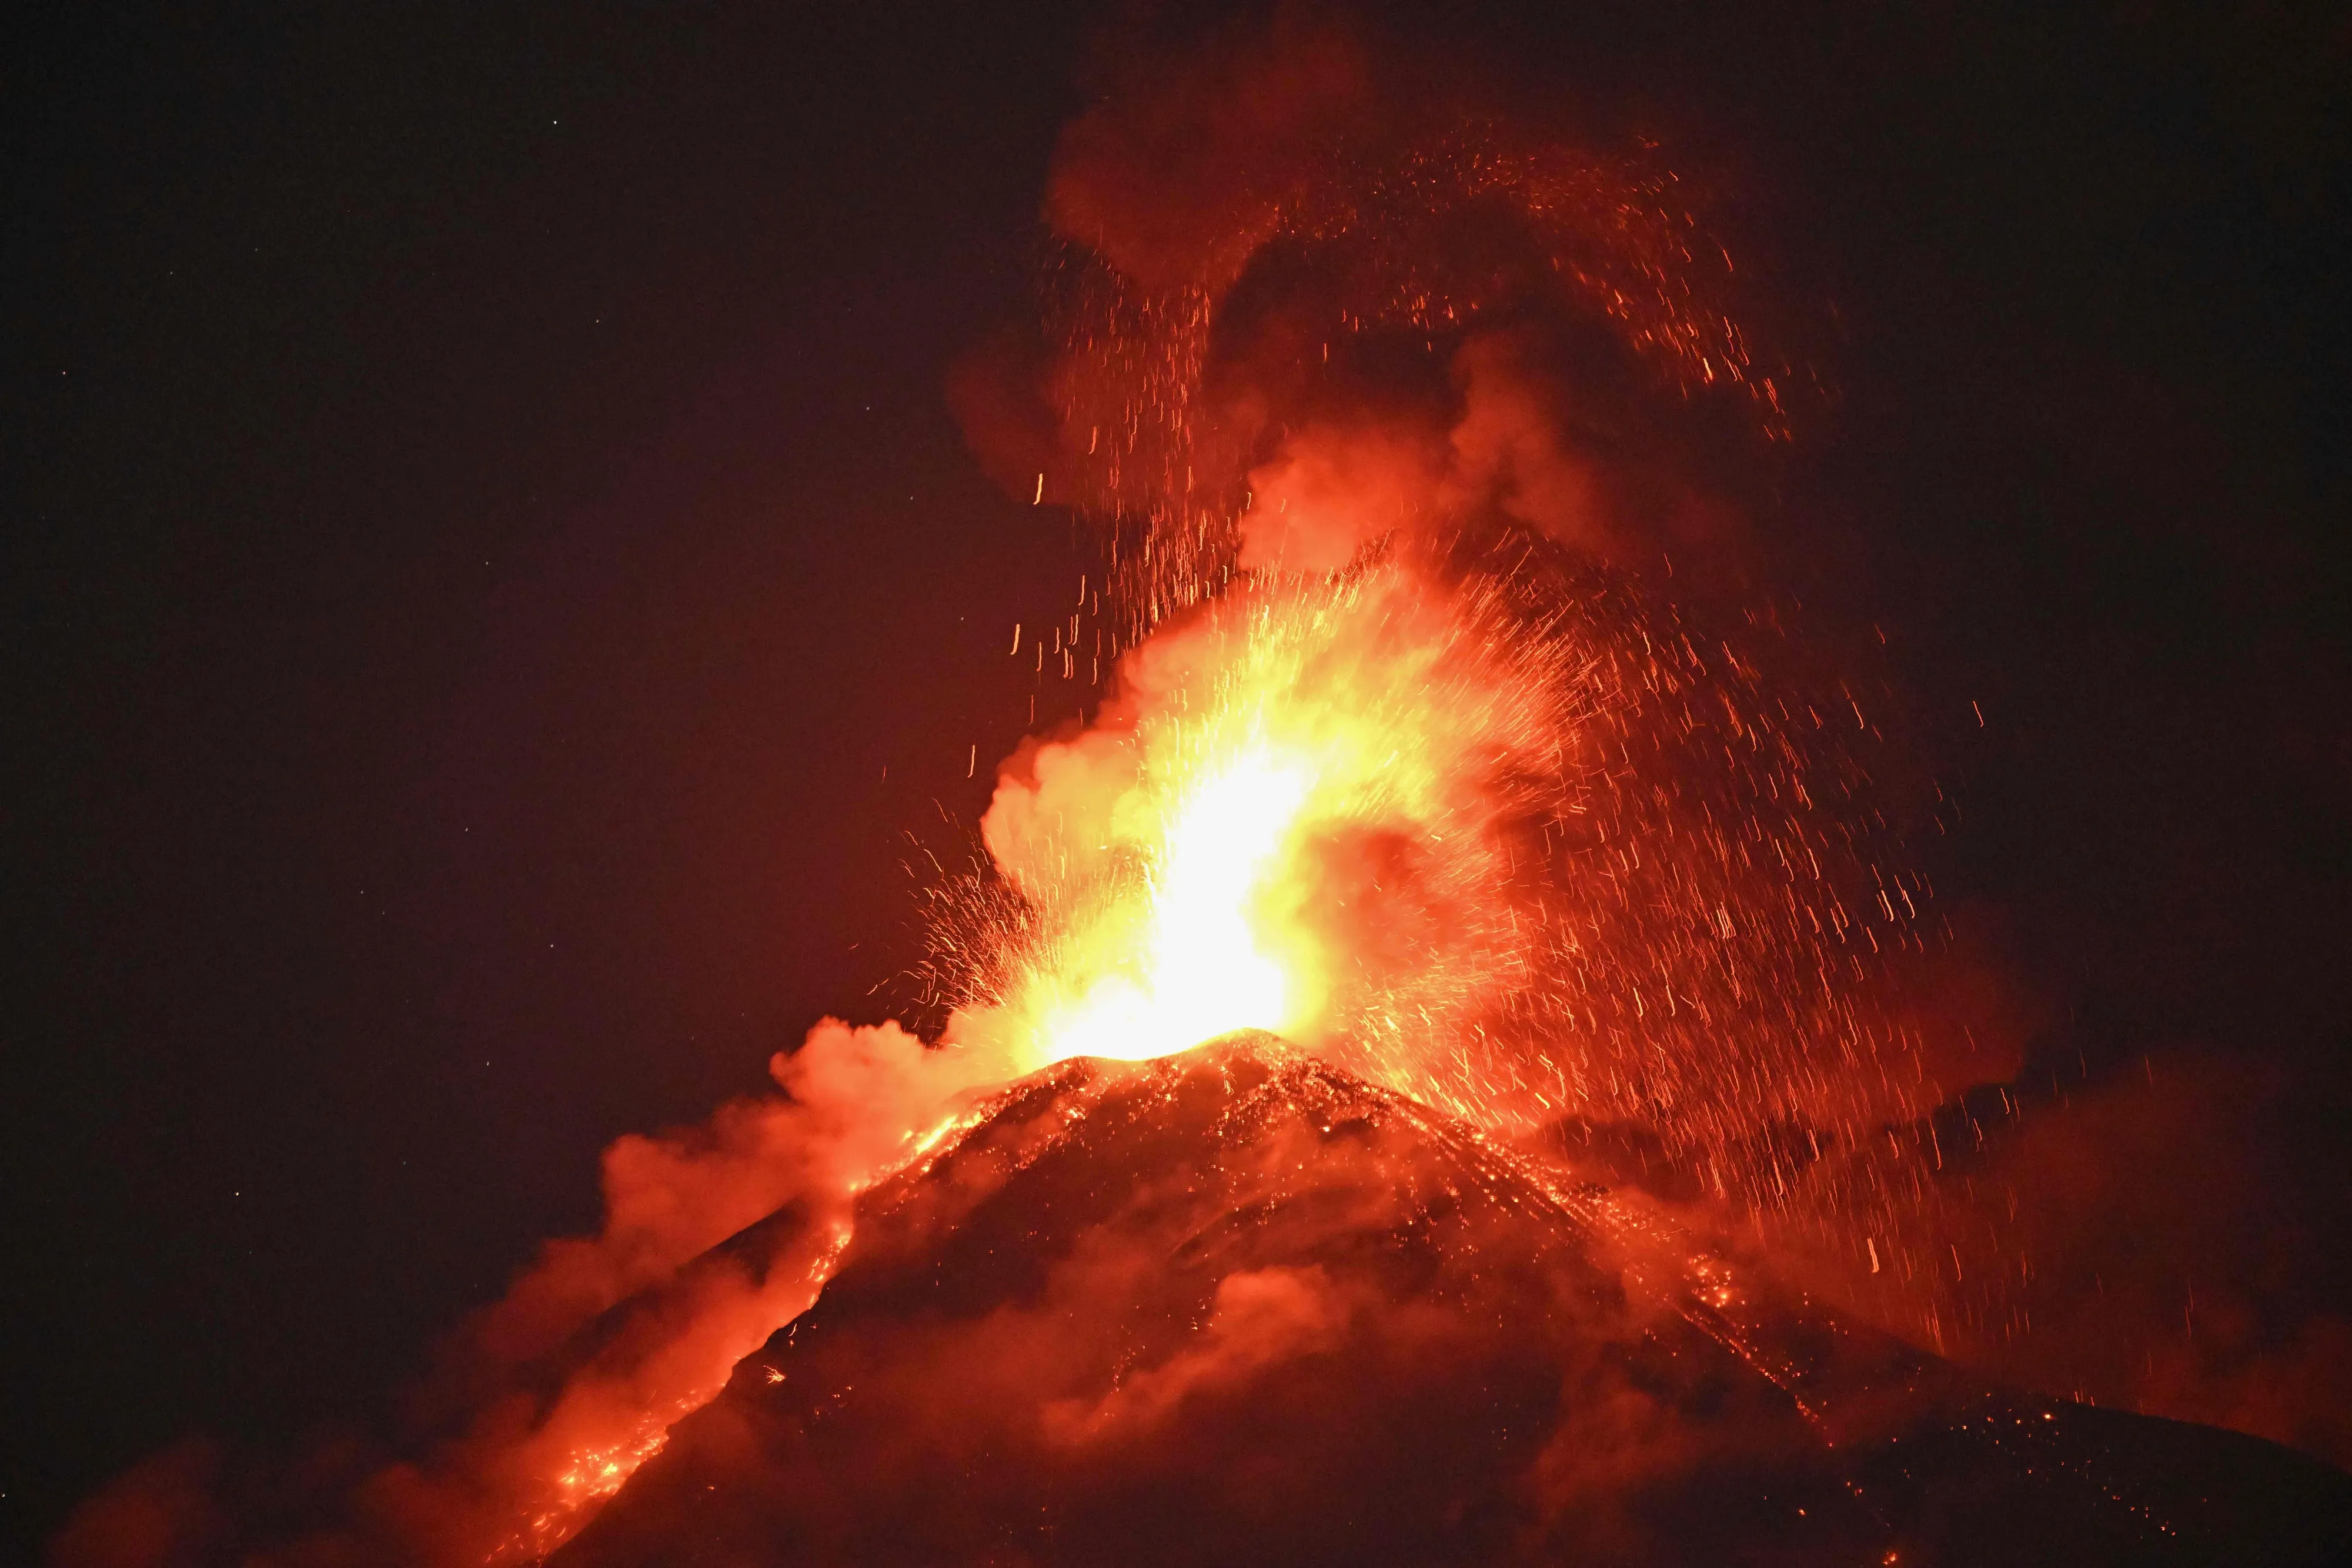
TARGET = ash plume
(1340,336)
(1313,285)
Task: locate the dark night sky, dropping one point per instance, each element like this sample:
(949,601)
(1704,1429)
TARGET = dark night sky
(482,517)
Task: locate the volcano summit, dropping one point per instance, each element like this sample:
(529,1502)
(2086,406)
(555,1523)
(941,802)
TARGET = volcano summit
(1236,1305)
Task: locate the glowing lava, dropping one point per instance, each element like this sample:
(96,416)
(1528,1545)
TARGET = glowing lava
(1295,814)
(1198,968)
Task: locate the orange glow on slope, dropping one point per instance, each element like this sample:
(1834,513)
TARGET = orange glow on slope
(603,1428)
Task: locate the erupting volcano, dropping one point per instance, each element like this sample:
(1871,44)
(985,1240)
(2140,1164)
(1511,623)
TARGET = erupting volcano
(1444,1062)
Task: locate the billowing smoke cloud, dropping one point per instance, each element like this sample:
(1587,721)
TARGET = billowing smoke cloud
(1514,452)
(1319,288)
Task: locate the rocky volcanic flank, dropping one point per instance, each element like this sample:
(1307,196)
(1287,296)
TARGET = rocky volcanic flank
(1236,1306)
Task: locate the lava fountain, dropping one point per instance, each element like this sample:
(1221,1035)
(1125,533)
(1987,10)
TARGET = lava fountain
(1292,816)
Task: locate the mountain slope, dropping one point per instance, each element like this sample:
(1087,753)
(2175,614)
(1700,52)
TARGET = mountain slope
(1237,1306)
